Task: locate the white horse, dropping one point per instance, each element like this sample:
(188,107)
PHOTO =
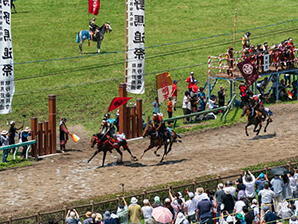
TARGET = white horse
(97,36)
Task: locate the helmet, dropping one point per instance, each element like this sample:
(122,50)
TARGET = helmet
(247,34)
(63,119)
(107,116)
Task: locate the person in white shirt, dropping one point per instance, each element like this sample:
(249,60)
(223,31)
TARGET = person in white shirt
(229,186)
(249,181)
(191,208)
(239,205)
(147,212)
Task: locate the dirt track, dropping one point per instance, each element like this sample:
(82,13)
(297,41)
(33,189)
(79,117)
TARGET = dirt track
(62,179)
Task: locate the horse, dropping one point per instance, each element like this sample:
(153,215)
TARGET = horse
(255,118)
(98,36)
(104,144)
(158,141)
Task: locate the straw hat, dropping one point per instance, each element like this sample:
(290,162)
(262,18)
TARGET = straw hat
(27,129)
(4,132)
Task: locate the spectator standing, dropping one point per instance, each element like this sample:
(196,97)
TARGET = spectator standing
(286,190)
(228,201)
(72,217)
(134,211)
(248,215)
(181,219)
(191,81)
(255,207)
(221,96)
(24,138)
(156,106)
(147,212)
(249,182)
(174,93)
(266,198)
(274,85)
(269,216)
(122,212)
(108,219)
(277,185)
(212,102)
(200,195)
(63,134)
(157,202)
(191,208)
(239,205)
(88,219)
(4,141)
(12,131)
(260,181)
(186,106)
(98,218)
(293,183)
(203,212)
(218,197)
(202,99)
(230,188)
(287,79)
(168,205)
(170,109)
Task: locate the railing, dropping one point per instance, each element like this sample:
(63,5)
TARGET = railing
(111,205)
(16,147)
(225,110)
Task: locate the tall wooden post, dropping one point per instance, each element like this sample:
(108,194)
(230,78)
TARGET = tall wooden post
(52,122)
(33,136)
(46,138)
(128,122)
(122,110)
(40,139)
(139,118)
(134,126)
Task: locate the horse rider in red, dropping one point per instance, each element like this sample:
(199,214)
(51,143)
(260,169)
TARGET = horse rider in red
(105,130)
(257,104)
(160,126)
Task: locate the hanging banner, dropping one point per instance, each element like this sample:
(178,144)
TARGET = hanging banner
(117,102)
(164,86)
(135,55)
(94,6)
(7,70)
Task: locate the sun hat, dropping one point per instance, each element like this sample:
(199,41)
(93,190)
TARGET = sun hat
(220,185)
(200,190)
(261,175)
(191,73)
(157,199)
(254,201)
(4,132)
(88,214)
(98,217)
(265,208)
(72,214)
(133,200)
(227,191)
(27,129)
(190,195)
(167,200)
(145,201)
(12,122)
(179,218)
(239,216)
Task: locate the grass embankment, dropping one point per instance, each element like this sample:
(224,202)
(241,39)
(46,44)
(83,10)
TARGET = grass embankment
(85,85)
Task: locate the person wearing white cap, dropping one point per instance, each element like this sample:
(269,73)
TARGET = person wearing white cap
(4,142)
(13,132)
(72,217)
(147,210)
(134,211)
(191,80)
(191,208)
(181,219)
(24,138)
(255,207)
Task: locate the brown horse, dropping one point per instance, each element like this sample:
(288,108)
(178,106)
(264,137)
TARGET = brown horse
(156,140)
(104,144)
(255,118)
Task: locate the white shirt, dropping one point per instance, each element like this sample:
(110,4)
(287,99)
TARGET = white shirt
(238,206)
(211,104)
(293,183)
(186,105)
(232,190)
(249,187)
(191,206)
(147,212)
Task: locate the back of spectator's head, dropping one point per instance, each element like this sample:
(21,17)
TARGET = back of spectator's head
(121,206)
(248,178)
(179,201)
(133,200)
(254,201)
(245,209)
(88,214)
(106,215)
(229,183)
(186,93)
(156,199)
(72,214)
(200,190)
(175,81)
(266,185)
(265,208)
(293,218)
(191,195)
(146,202)
(242,197)
(220,186)
(261,175)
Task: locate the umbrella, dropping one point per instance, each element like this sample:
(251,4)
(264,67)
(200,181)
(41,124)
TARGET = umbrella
(278,171)
(162,215)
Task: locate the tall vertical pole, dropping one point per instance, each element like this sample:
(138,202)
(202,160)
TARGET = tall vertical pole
(33,136)
(234,34)
(125,41)
(122,110)
(139,117)
(52,121)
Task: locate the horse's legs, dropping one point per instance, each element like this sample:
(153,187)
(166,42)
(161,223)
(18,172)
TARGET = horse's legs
(164,153)
(98,46)
(258,131)
(149,147)
(157,148)
(81,43)
(246,129)
(104,158)
(120,153)
(268,121)
(94,154)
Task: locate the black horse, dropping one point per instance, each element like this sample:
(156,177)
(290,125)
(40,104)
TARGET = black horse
(97,36)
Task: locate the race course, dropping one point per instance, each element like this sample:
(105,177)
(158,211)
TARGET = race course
(59,180)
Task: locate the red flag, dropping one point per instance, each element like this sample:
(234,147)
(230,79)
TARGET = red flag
(249,72)
(94,6)
(117,102)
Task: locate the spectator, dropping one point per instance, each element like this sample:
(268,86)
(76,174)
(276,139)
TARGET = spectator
(287,79)
(293,220)
(108,219)
(274,81)
(239,205)
(24,138)
(186,106)
(277,185)
(63,134)
(88,219)
(181,219)
(282,89)
(170,109)
(191,208)
(115,217)
(230,187)
(169,206)
(249,182)
(269,216)
(228,201)
(248,215)
(147,212)
(12,131)
(194,89)
(134,211)
(203,212)
(266,198)
(174,93)
(4,141)
(194,97)
(202,99)
(156,106)
(240,219)
(221,96)
(98,218)
(157,202)
(218,197)
(256,210)
(284,210)
(240,191)
(122,212)
(293,183)
(190,80)
(260,181)
(72,217)
(286,190)
(212,102)
(200,195)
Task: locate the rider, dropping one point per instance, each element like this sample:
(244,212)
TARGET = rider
(257,104)
(92,26)
(160,127)
(245,40)
(106,130)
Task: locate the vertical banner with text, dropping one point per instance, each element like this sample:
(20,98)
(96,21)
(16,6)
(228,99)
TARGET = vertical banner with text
(7,87)
(164,86)
(135,70)
(94,6)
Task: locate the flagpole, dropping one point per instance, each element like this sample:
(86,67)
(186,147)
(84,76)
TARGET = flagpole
(234,34)
(125,43)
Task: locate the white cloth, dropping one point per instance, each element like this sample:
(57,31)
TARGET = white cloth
(186,105)
(232,190)
(191,206)
(249,186)
(211,104)
(238,206)
(147,212)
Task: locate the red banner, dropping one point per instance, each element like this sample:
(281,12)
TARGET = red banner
(94,6)
(248,71)
(117,102)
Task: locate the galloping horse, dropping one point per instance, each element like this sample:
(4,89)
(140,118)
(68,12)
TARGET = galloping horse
(104,145)
(255,118)
(98,36)
(157,141)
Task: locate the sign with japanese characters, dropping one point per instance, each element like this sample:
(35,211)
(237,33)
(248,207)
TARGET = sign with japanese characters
(164,86)
(6,62)
(135,55)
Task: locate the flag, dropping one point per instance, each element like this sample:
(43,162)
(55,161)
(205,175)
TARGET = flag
(94,6)
(290,94)
(75,138)
(117,102)
(248,71)
(164,86)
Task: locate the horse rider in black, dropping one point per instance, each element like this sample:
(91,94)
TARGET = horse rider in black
(93,27)
(160,127)
(257,104)
(245,40)
(106,131)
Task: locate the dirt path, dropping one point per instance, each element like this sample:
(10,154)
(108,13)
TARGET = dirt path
(62,179)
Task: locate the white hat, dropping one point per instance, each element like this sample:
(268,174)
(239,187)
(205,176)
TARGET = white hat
(167,200)
(146,201)
(230,218)
(191,73)
(4,132)
(12,122)
(254,201)
(72,214)
(27,129)
(220,185)
(179,218)
(133,200)
(190,194)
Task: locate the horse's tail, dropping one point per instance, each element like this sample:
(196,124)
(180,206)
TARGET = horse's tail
(78,38)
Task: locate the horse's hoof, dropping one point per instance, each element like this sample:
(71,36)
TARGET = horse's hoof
(157,154)
(134,158)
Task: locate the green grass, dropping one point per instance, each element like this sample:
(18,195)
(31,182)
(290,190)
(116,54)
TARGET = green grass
(46,30)
(18,162)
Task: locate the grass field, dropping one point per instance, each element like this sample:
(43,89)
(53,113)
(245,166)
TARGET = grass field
(180,35)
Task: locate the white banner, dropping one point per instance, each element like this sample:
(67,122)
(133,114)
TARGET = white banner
(135,71)
(7,71)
